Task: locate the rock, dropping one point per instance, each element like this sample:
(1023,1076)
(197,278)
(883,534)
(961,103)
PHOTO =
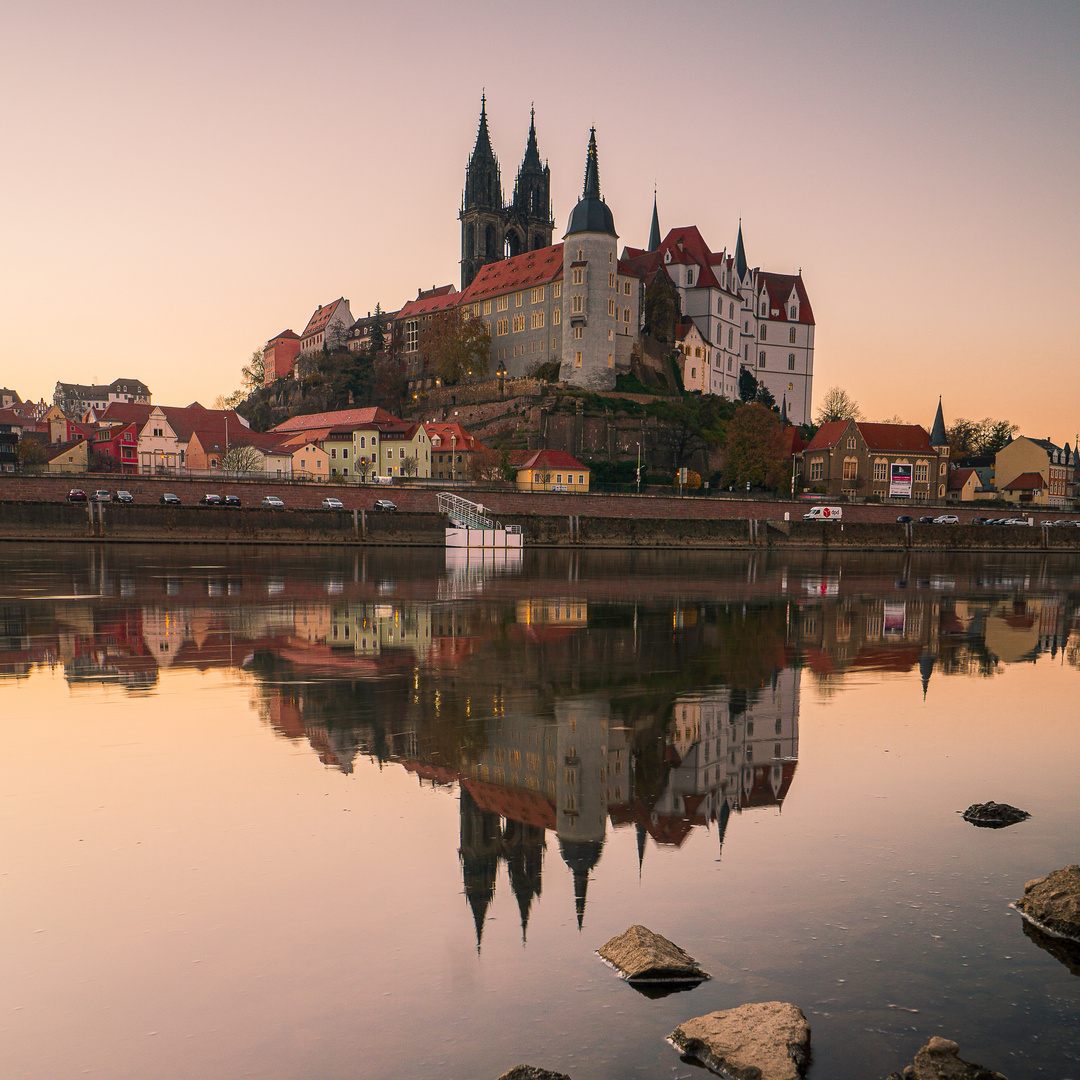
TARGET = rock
(1052,903)
(531,1072)
(642,956)
(993,815)
(940,1059)
(766,1041)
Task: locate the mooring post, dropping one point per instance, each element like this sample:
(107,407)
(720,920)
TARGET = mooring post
(363,524)
(356,524)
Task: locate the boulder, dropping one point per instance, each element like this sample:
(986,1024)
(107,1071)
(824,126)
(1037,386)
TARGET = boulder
(940,1059)
(993,815)
(769,1040)
(641,956)
(1052,903)
(531,1072)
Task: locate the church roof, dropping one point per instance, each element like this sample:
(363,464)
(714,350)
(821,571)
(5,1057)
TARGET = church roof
(741,264)
(654,229)
(937,432)
(591,214)
(522,271)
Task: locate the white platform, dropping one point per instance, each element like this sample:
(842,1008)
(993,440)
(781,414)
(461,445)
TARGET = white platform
(491,539)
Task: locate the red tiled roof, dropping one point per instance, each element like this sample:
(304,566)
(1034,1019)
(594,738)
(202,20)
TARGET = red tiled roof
(9,417)
(428,303)
(452,436)
(901,438)
(1028,481)
(552,459)
(779,288)
(521,272)
(195,417)
(959,477)
(121,412)
(285,335)
(791,440)
(321,317)
(342,417)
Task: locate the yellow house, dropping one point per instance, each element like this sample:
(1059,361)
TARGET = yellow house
(72,457)
(1053,464)
(309,461)
(553,470)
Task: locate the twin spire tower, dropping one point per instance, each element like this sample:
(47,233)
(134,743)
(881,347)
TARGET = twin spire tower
(491,229)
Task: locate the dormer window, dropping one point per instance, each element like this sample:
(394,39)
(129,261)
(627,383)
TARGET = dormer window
(667,256)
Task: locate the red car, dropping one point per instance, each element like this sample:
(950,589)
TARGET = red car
(76,495)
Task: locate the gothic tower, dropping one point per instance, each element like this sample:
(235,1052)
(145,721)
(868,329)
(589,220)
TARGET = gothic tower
(482,214)
(529,223)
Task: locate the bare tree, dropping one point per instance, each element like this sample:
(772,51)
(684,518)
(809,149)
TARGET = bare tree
(243,459)
(837,405)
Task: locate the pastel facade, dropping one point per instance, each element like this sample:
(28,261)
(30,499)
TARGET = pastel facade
(328,327)
(553,470)
(72,457)
(279,356)
(1055,465)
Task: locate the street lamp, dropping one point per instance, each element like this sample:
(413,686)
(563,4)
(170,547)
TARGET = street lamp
(639,468)
(502,379)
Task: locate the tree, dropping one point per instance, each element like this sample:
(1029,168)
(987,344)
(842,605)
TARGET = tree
(764,396)
(458,346)
(748,385)
(485,464)
(32,452)
(978,438)
(755,448)
(661,308)
(838,405)
(242,459)
(378,337)
(390,385)
(253,373)
(686,429)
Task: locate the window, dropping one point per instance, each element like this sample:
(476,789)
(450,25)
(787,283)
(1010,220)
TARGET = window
(389,454)
(922,472)
(579,333)
(579,275)
(558,478)
(689,275)
(626,288)
(556,320)
(881,470)
(791,361)
(791,336)
(794,314)
(581,478)
(763,332)
(577,304)
(731,310)
(851,469)
(401,452)
(611,280)
(730,337)
(612,310)
(693,373)
(502,326)
(626,315)
(333,452)
(537,320)
(502,303)
(362,442)
(851,442)
(815,469)
(487,307)
(556,290)
(519,323)
(412,335)
(518,297)
(577,359)
(537,295)
(791,386)
(345,452)
(941,471)
(761,359)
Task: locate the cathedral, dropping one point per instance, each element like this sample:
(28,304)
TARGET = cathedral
(490,229)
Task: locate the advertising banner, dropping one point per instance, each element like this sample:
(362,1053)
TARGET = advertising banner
(900,481)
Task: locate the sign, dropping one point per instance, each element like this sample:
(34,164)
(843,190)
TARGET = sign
(900,481)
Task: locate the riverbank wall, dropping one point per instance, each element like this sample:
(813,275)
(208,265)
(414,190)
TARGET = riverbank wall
(51,521)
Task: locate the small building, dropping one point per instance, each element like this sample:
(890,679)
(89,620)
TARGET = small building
(1056,466)
(120,442)
(963,483)
(279,356)
(68,457)
(327,328)
(553,470)
(696,358)
(1027,489)
(452,451)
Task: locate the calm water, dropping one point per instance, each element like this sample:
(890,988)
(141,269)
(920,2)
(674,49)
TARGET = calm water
(279,814)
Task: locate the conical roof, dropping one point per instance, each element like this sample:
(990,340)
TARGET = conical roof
(482,149)
(654,230)
(591,213)
(937,433)
(741,264)
(532,151)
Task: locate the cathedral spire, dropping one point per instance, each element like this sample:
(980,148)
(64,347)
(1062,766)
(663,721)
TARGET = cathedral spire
(591,215)
(937,433)
(654,230)
(592,170)
(741,265)
(483,139)
(532,151)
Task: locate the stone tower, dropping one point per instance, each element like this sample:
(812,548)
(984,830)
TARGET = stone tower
(482,214)
(491,230)
(528,218)
(590,286)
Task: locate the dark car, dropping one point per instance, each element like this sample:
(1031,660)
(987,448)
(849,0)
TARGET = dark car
(124,497)
(232,500)
(210,500)
(926,521)
(76,495)
(169,499)
(903,519)
(383,504)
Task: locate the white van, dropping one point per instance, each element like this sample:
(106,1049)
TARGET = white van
(824,513)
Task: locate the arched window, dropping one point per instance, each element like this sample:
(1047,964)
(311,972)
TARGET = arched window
(763,329)
(791,335)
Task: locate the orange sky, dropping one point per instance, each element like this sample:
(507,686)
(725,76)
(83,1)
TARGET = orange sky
(183,182)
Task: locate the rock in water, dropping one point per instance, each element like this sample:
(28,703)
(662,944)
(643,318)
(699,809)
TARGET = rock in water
(1052,903)
(993,815)
(766,1041)
(940,1059)
(645,957)
(531,1072)
(1068,952)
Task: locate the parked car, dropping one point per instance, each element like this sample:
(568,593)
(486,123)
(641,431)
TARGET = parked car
(903,519)
(232,500)
(124,497)
(926,521)
(101,495)
(76,495)
(946,519)
(383,504)
(272,502)
(169,499)
(210,500)
(332,504)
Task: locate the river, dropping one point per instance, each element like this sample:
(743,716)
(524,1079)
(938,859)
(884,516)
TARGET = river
(278,813)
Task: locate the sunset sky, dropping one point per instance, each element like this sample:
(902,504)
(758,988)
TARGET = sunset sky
(184,181)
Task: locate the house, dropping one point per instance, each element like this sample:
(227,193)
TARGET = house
(10,432)
(327,328)
(1056,466)
(883,461)
(76,398)
(8,398)
(963,483)
(119,442)
(415,328)
(68,457)
(279,356)
(362,334)
(167,431)
(452,450)
(552,470)
(696,358)
(1029,489)
(309,460)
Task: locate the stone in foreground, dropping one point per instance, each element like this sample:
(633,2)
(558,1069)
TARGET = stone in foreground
(765,1041)
(531,1072)
(993,815)
(1052,903)
(641,956)
(940,1059)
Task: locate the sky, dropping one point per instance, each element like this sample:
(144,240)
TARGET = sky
(184,181)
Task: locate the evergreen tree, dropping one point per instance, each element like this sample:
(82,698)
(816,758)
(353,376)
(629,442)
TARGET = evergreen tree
(748,385)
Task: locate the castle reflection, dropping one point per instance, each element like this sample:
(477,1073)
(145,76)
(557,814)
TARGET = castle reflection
(558,706)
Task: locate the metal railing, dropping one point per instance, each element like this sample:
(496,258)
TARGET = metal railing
(469,515)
